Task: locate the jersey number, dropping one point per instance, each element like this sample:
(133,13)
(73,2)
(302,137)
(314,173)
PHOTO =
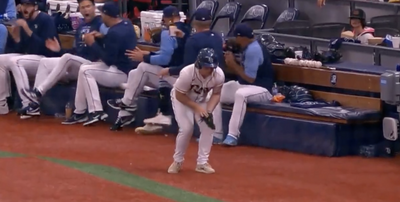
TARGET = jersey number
(199,90)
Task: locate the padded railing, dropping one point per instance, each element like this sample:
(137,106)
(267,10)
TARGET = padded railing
(355,53)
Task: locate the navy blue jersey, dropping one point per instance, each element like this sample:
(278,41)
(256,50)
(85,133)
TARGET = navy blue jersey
(42,28)
(196,42)
(120,37)
(80,49)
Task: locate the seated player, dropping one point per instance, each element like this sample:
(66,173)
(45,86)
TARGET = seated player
(110,72)
(29,35)
(52,70)
(203,38)
(190,104)
(170,54)
(254,80)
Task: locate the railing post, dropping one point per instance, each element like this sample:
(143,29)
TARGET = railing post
(377,57)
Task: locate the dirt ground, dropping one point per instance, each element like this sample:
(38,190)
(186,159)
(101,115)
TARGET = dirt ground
(243,173)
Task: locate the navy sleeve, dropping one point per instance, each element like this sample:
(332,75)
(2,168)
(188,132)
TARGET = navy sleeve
(167,47)
(189,57)
(48,32)
(108,54)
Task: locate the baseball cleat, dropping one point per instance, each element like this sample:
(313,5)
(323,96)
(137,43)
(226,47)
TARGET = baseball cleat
(149,129)
(121,122)
(118,104)
(230,141)
(215,140)
(96,117)
(175,167)
(33,109)
(204,168)
(159,119)
(33,95)
(75,118)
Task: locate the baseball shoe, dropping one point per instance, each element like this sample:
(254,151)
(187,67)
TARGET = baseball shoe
(33,109)
(205,168)
(215,140)
(119,105)
(33,95)
(175,167)
(149,129)
(159,119)
(75,118)
(121,122)
(4,108)
(96,117)
(230,140)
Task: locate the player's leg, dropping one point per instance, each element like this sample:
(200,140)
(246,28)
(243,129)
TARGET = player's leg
(99,73)
(5,82)
(144,74)
(22,67)
(184,117)
(79,115)
(227,97)
(246,94)
(205,144)
(67,67)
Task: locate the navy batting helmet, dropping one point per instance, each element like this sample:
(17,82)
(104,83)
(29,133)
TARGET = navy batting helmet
(207,58)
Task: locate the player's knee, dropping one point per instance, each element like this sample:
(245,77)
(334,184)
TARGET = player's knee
(66,56)
(83,69)
(13,61)
(186,129)
(141,66)
(240,95)
(131,73)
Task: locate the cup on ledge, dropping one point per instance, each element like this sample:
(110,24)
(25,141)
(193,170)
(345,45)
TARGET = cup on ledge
(298,54)
(396,41)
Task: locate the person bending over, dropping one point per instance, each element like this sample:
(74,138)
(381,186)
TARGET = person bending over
(203,38)
(254,80)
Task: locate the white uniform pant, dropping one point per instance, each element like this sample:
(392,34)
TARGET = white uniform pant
(52,70)
(87,91)
(238,95)
(144,75)
(185,117)
(22,67)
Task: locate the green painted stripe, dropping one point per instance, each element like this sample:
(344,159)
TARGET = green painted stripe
(134,181)
(9,155)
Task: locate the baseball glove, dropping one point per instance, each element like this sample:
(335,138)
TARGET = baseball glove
(209,121)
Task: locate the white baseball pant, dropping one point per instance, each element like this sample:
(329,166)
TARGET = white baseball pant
(52,70)
(144,75)
(185,118)
(238,95)
(87,91)
(21,66)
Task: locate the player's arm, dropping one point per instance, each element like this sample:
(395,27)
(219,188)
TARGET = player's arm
(182,87)
(191,52)
(216,94)
(11,10)
(48,31)
(167,47)
(110,53)
(253,59)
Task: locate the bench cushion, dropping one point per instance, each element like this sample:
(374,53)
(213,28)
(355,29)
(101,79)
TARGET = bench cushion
(344,113)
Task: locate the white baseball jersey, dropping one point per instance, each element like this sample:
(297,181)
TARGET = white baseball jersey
(191,83)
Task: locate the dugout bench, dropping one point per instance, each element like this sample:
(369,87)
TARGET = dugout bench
(334,131)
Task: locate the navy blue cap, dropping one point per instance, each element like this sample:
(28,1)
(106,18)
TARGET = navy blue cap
(170,11)
(110,8)
(202,14)
(29,2)
(243,30)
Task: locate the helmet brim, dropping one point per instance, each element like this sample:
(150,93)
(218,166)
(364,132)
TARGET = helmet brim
(208,65)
